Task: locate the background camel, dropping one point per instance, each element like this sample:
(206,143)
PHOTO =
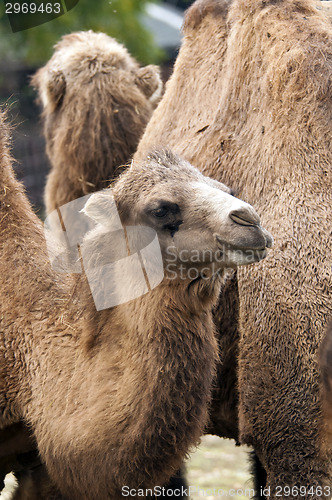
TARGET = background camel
(326,363)
(250,103)
(97,102)
(75,375)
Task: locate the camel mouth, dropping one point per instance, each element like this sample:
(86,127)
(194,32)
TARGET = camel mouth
(225,246)
(250,256)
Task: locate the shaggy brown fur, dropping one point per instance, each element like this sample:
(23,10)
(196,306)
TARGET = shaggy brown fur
(125,410)
(195,16)
(250,102)
(118,99)
(326,366)
(97,102)
(109,119)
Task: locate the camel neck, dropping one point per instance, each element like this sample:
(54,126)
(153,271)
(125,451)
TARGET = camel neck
(171,358)
(146,385)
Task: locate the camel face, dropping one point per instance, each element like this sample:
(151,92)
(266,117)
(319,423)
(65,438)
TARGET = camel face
(204,225)
(201,227)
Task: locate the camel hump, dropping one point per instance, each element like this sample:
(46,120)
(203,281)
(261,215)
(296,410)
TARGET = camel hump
(201,8)
(219,8)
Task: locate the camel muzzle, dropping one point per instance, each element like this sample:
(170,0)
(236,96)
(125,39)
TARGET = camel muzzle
(248,217)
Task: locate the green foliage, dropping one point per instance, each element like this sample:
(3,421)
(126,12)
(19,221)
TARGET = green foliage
(117,18)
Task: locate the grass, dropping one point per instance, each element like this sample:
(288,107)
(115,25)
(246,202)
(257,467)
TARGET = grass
(10,485)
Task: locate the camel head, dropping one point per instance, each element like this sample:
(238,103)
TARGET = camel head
(82,57)
(201,227)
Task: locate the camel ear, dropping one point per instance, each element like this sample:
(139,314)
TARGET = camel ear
(149,81)
(51,87)
(102,209)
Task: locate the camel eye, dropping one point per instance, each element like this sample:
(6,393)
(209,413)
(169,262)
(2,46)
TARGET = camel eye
(162,209)
(160,212)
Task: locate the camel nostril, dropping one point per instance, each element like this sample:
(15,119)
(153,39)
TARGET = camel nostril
(245,217)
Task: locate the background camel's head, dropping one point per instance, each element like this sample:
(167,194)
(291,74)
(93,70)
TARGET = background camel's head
(96,100)
(199,224)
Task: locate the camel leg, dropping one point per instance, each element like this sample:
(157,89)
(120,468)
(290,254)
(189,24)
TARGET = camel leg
(224,408)
(35,484)
(177,482)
